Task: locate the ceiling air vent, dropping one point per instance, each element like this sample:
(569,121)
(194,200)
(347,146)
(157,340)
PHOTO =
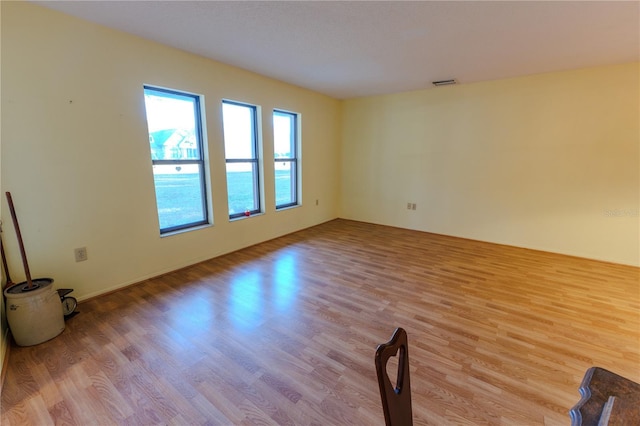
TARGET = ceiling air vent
(444,82)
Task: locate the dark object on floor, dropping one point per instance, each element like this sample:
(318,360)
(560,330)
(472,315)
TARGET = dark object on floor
(71,315)
(607,399)
(69,303)
(396,401)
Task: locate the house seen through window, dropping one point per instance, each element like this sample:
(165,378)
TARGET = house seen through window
(175,141)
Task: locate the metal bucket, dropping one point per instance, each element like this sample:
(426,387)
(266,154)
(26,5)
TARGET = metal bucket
(34,314)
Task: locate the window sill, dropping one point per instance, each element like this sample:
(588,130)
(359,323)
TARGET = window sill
(236,219)
(182,231)
(288,207)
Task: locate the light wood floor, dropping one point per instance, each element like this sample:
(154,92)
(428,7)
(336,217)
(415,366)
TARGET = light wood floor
(285,332)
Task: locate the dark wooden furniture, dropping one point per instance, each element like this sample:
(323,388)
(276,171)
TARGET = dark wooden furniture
(607,399)
(396,400)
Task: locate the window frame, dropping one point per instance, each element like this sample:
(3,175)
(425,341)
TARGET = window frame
(254,161)
(293,160)
(201,162)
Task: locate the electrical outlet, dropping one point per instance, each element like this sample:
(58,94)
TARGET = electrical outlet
(80,254)
(413,206)
(317,201)
(408,206)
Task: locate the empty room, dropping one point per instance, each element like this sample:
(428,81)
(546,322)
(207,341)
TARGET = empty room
(320,213)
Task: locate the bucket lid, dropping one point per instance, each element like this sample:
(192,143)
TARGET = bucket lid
(23,287)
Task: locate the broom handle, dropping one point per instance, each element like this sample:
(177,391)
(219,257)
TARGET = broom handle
(9,283)
(22,252)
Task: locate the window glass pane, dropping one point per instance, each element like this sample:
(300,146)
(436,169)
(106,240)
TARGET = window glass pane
(174,123)
(283,138)
(285,183)
(285,147)
(238,131)
(241,184)
(179,194)
(241,142)
(171,119)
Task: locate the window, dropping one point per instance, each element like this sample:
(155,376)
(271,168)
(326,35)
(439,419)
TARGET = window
(175,139)
(285,149)
(240,124)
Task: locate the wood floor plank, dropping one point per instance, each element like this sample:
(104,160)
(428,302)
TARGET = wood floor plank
(285,332)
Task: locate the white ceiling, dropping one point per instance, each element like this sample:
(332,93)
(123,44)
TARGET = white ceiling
(349,49)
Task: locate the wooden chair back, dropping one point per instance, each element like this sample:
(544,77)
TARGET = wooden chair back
(396,400)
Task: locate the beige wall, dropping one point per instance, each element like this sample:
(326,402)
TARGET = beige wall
(548,162)
(75,152)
